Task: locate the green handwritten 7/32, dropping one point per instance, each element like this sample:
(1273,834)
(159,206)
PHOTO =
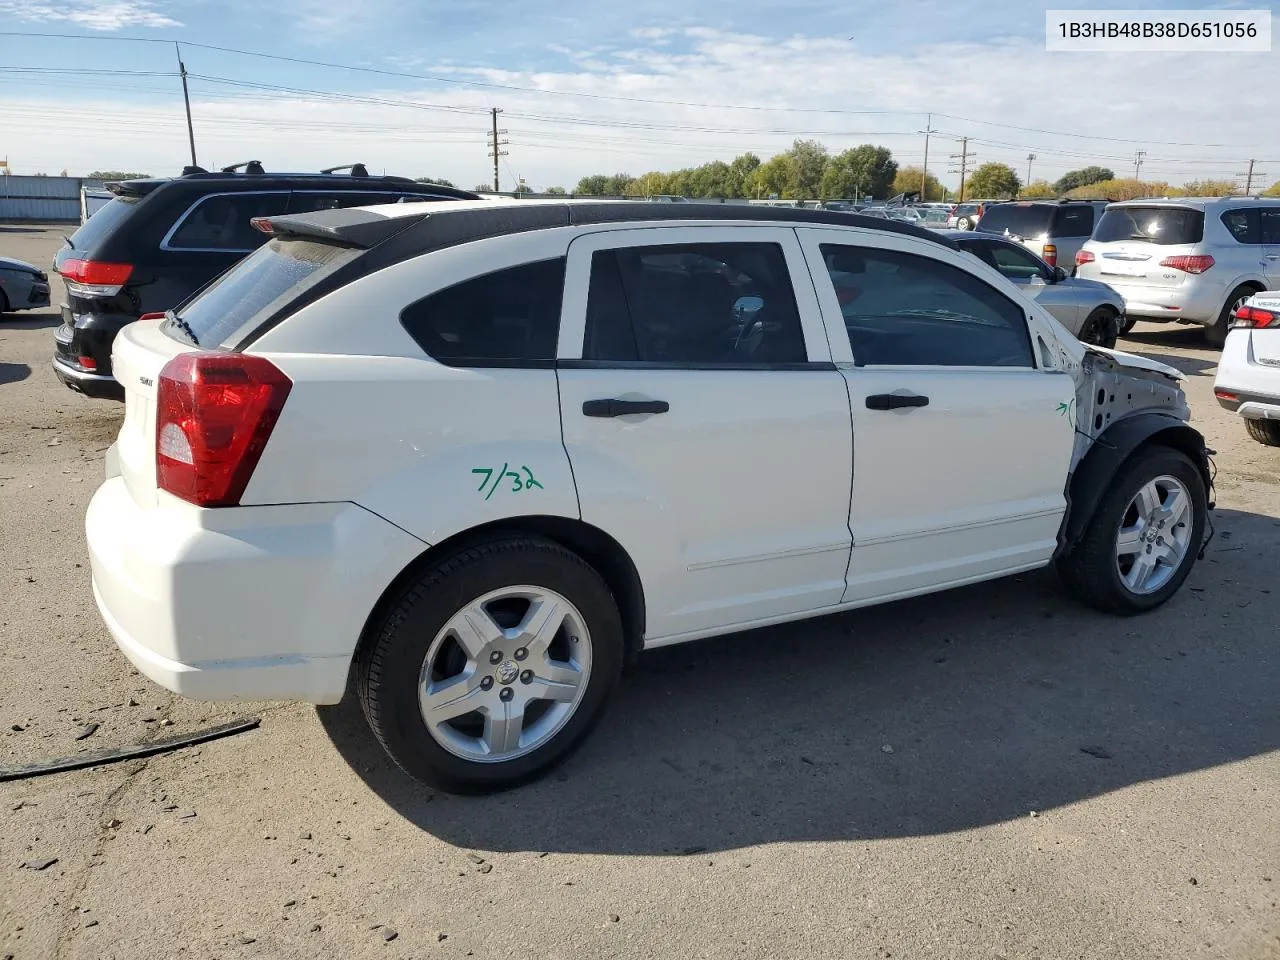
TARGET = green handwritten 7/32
(493,479)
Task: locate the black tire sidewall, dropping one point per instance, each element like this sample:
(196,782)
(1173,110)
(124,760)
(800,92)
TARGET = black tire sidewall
(1099,316)
(1217,334)
(392,705)
(1146,465)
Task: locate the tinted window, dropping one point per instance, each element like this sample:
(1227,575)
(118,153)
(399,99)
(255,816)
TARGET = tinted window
(1016,219)
(258,284)
(1160,225)
(1243,225)
(222,222)
(903,309)
(1015,262)
(103,220)
(307,201)
(704,303)
(503,317)
(1270,226)
(1074,221)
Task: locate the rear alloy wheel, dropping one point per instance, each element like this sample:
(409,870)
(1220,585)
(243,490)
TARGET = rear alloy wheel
(1144,537)
(1264,431)
(1216,335)
(1100,328)
(964,223)
(492,665)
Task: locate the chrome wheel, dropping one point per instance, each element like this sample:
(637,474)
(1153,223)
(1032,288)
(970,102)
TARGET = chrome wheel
(1154,535)
(505,674)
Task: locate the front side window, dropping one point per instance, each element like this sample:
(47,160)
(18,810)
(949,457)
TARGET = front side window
(902,309)
(221,222)
(1016,263)
(507,318)
(717,304)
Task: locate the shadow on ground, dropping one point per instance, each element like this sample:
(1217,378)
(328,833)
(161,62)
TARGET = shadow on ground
(995,700)
(13,372)
(30,321)
(1203,362)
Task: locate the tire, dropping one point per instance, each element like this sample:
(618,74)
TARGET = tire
(416,647)
(1264,431)
(1216,335)
(1126,325)
(4,304)
(1100,328)
(964,223)
(1093,570)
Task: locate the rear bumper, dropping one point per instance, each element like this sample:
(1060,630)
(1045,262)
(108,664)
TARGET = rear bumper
(99,385)
(88,335)
(240,603)
(1185,303)
(1252,387)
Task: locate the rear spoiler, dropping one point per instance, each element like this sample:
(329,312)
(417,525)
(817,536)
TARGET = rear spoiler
(133,188)
(346,226)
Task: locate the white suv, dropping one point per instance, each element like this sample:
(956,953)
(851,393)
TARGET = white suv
(1248,380)
(480,456)
(1190,260)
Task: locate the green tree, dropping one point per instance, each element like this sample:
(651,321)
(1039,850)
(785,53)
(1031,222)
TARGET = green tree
(441,181)
(907,180)
(593,186)
(855,173)
(774,177)
(1273,190)
(993,181)
(1082,178)
(555,191)
(1125,188)
(481,187)
(1038,190)
(1210,188)
(116,175)
(808,163)
(741,178)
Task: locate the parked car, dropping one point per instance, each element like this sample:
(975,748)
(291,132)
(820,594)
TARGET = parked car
(1090,310)
(1248,380)
(1190,260)
(965,216)
(1053,230)
(160,240)
(23,286)
(479,458)
(667,198)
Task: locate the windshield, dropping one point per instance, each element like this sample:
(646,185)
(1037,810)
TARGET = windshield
(1164,226)
(1017,220)
(102,222)
(259,284)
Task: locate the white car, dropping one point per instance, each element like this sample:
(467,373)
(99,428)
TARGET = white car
(1248,380)
(480,456)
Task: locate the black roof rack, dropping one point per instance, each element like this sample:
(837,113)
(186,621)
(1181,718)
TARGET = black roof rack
(191,168)
(357,169)
(252,167)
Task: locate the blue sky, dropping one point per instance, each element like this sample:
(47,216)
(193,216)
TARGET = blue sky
(980,66)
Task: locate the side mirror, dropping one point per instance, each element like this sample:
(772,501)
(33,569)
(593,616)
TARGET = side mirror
(1059,274)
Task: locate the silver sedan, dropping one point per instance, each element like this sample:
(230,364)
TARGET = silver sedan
(23,286)
(1093,311)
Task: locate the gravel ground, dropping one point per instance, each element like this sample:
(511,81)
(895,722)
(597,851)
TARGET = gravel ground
(992,772)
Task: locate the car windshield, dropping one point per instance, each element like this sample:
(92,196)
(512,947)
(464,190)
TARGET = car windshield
(1164,226)
(256,285)
(102,222)
(1016,219)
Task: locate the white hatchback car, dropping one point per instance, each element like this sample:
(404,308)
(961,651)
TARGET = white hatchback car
(477,455)
(1248,380)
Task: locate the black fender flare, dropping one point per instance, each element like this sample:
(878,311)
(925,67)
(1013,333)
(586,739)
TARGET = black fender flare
(1111,451)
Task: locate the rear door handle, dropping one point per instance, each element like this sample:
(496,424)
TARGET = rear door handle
(620,408)
(895,401)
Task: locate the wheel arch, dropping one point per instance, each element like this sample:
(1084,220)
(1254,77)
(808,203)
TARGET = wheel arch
(597,548)
(1114,448)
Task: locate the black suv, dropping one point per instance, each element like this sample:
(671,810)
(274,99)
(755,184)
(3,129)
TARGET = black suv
(1054,230)
(159,241)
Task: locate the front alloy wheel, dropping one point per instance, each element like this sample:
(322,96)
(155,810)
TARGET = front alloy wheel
(1154,535)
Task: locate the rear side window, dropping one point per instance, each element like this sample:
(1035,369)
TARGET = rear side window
(1074,221)
(1244,225)
(104,220)
(308,201)
(258,285)
(1164,226)
(508,318)
(709,304)
(1017,220)
(221,222)
(1270,218)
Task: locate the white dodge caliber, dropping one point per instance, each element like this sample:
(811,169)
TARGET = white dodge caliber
(476,455)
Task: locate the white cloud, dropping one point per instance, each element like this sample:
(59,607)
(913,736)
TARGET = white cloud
(105,15)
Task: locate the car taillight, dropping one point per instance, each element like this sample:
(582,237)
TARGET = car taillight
(93,278)
(152,316)
(1195,263)
(1051,254)
(214,415)
(1084,256)
(1255,318)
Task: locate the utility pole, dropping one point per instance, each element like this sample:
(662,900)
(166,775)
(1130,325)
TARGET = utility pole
(963,156)
(1248,178)
(924,174)
(186,99)
(496,145)
(1030,157)
(1137,164)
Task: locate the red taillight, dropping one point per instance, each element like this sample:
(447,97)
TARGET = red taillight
(1051,254)
(88,363)
(1084,256)
(1225,395)
(1197,263)
(214,415)
(1255,318)
(96,272)
(152,316)
(263,224)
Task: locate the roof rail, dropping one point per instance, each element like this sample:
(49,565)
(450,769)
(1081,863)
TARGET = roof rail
(357,169)
(252,167)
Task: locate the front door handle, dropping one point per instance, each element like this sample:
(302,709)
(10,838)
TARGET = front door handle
(620,408)
(895,401)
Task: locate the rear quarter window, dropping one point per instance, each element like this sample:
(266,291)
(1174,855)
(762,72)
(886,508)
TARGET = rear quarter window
(1164,226)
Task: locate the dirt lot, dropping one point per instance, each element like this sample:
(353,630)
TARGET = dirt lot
(993,772)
